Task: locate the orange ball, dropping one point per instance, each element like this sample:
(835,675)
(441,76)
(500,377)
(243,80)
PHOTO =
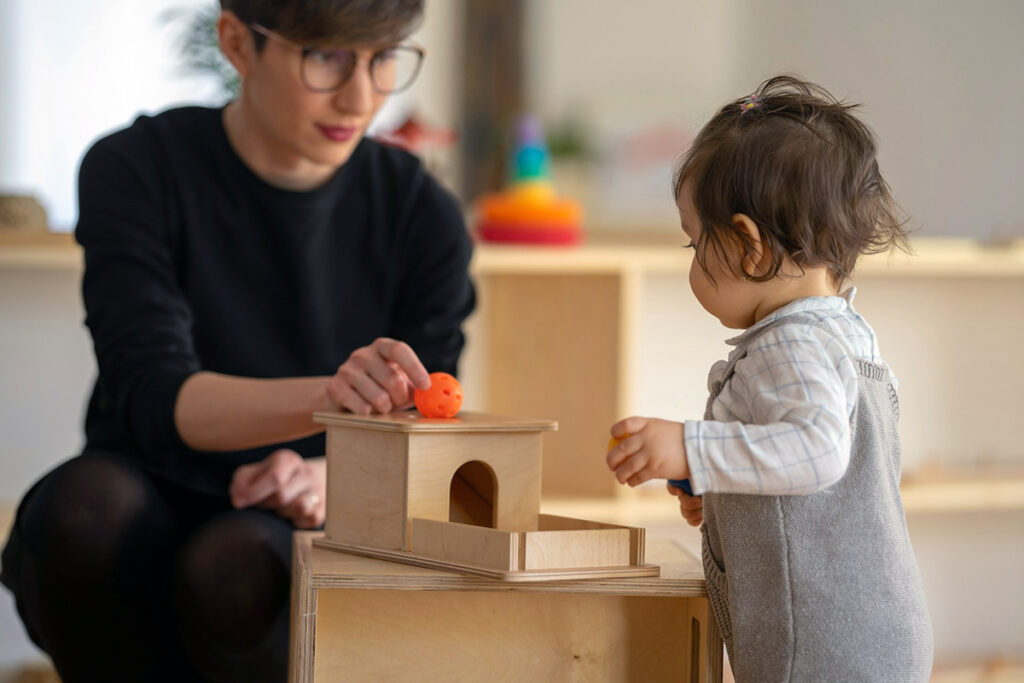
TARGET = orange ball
(442,399)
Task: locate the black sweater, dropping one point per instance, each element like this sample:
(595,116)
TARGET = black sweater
(192,263)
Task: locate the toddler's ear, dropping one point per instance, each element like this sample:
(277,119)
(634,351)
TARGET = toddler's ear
(757,257)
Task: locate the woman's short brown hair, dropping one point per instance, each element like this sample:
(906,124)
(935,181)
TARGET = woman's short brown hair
(803,168)
(339,22)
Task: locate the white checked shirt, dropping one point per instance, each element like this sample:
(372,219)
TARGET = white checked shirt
(782,423)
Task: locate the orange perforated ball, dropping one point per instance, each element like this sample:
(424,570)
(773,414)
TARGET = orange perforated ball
(442,399)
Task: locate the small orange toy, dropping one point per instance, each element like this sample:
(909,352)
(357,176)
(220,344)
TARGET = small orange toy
(613,442)
(442,399)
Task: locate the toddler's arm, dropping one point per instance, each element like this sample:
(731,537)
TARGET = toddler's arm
(782,422)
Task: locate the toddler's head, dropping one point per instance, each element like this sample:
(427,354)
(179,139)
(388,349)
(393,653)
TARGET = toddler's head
(803,168)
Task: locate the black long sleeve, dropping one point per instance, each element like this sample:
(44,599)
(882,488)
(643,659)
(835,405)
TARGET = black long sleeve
(194,263)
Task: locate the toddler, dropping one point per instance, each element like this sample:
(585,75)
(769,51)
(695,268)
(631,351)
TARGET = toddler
(795,467)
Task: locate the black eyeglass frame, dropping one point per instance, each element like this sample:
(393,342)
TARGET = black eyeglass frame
(307,49)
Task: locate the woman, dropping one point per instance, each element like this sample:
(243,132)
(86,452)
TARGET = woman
(234,257)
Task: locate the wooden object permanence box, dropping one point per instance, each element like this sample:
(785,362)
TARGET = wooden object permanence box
(461,494)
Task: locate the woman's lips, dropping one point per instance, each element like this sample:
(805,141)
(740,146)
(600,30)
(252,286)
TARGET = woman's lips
(337,133)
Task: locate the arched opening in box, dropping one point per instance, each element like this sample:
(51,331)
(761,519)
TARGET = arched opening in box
(472,495)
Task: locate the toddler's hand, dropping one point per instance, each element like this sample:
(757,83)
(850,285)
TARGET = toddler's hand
(653,450)
(690,507)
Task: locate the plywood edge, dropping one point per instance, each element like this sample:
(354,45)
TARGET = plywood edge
(302,626)
(486,572)
(714,664)
(637,545)
(546,522)
(406,421)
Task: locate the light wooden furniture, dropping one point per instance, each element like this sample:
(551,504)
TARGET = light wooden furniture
(461,494)
(55,250)
(940,491)
(360,619)
(559,331)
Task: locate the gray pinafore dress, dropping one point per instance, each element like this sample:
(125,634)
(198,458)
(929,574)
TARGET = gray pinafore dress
(823,587)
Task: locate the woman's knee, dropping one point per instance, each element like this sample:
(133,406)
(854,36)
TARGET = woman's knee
(233,577)
(92,511)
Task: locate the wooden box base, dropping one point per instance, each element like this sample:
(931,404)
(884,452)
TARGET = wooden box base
(560,548)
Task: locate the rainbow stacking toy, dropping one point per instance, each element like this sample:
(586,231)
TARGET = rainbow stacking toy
(530,210)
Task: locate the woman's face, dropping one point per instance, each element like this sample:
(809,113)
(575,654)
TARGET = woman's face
(300,128)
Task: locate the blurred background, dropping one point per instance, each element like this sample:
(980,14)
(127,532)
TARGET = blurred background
(620,90)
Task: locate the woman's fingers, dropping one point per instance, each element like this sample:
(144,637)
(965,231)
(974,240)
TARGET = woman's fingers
(241,482)
(377,378)
(393,380)
(300,482)
(257,482)
(345,397)
(307,510)
(406,359)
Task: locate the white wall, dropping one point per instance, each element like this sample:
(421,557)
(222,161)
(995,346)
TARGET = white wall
(73,71)
(46,371)
(939,81)
(76,71)
(46,368)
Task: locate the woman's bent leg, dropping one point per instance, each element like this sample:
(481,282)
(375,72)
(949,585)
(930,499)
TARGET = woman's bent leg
(90,552)
(233,585)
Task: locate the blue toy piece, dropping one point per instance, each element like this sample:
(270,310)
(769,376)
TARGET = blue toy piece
(683,484)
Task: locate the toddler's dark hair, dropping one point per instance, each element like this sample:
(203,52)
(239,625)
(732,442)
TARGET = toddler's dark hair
(803,168)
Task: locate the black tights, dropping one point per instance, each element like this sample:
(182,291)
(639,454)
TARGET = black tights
(123,577)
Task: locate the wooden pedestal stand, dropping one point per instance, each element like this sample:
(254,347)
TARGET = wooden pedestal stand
(360,619)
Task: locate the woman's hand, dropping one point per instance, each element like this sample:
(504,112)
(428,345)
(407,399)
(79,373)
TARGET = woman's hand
(292,486)
(690,507)
(654,449)
(378,378)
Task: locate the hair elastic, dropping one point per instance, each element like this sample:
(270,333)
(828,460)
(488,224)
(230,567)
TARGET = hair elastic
(752,102)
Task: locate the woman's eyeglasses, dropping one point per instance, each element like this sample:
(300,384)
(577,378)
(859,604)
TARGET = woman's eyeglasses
(392,69)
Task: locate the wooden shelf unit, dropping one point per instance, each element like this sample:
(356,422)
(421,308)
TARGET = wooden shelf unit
(611,252)
(963,491)
(49,250)
(559,331)
(557,328)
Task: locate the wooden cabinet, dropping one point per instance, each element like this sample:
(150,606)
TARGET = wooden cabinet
(361,619)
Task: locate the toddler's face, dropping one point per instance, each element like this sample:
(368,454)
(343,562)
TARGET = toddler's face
(729,298)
